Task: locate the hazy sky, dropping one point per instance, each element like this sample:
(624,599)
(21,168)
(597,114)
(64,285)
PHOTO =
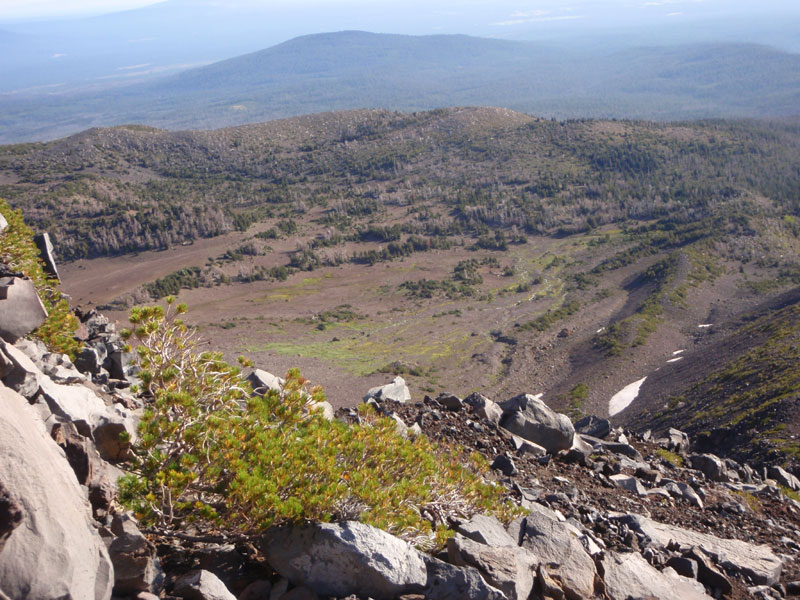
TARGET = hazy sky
(530,10)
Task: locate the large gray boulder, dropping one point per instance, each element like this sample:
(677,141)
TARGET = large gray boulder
(80,405)
(757,562)
(451,582)
(784,478)
(339,559)
(509,568)
(561,552)
(54,552)
(530,418)
(486,529)
(396,391)
(629,575)
(21,310)
(711,466)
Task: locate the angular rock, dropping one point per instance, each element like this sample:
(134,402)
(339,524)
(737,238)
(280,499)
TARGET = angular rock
(21,374)
(449,582)
(262,381)
(202,585)
(338,559)
(593,426)
(709,465)
(530,418)
(685,567)
(136,566)
(525,447)
(487,530)
(3,223)
(757,562)
(683,490)
(91,358)
(677,441)
(707,574)
(623,449)
(484,408)
(627,482)
(396,391)
(579,445)
(508,568)
(560,550)
(55,553)
(629,575)
(784,478)
(21,310)
(450,401)
(504,464)
(42,241)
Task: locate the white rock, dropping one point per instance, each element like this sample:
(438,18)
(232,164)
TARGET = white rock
(55,552)
(397,391)
(631,576)
(758,562)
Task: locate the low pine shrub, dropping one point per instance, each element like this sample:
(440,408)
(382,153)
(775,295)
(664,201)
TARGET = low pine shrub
(20,253)
(212,452)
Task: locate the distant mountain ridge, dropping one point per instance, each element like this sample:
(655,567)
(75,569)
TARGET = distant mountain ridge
(353,69)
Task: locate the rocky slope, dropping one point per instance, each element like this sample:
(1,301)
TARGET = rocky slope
(608,515)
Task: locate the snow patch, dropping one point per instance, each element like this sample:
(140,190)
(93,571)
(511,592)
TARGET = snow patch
(601,330)
(671,360)
(706,325)
(623,398)
(678,352)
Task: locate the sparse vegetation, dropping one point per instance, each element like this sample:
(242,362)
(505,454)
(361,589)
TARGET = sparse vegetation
(203,458)
(19,252)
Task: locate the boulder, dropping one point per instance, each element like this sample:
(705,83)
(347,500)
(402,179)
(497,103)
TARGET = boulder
(55,552)
(262,382)
(530,418)
(525,447)
(21,310)
(42,241)
(484,408)
(593,426)
(784,478)
(510,569)
(756,562)
(20,373)
(562,553)
(136,566)
(202,585)
(3,223)
(630,483)
(397,391)
(80,405)
(631,576)
(91,358)
(487,530)
(338,559)
(450,582)
(709,465)
(677,441)
(450,402)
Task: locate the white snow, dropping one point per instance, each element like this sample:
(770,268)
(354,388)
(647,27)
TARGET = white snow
(678,352)
(671,360)
(705,325)
(601,330)
(622,399)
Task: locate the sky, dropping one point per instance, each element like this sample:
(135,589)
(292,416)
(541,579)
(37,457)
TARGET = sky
(527,10)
